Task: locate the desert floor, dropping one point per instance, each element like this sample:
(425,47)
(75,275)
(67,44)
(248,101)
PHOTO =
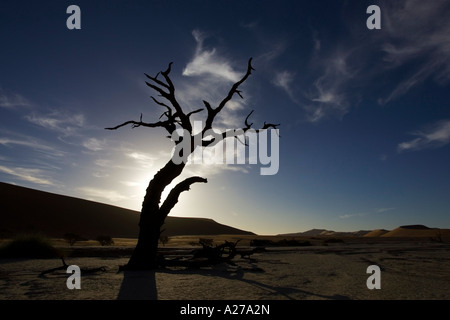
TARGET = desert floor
(409,270)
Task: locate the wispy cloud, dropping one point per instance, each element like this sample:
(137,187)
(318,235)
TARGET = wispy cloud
(212,70)
(347,216)
(131,183)
(100,175)
(94,144)
(99,194)
(284,81)
(209,62)
(329,94)
(316,41)
(26,174)
(209,170)
(25,143)
(143,160)
(32,143)
(367,213)
(11,101)
(381,210)
(432,136)
(62,122)
(417,35)
(413,46)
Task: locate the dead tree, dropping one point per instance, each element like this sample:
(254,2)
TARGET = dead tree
(153,213)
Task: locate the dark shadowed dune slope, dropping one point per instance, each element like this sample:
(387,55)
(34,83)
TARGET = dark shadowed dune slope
(25,210)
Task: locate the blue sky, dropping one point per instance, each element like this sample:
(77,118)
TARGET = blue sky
(365,115)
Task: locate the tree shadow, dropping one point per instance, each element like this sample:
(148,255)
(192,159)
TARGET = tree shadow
(138,285)
(141,285)
(238,274)
(283,291)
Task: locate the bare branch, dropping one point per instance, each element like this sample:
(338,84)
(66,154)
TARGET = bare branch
(243,142)
(172,198)
(154,79)
(239,93)
(174,113)
(270,125)
(246,120)
(162,104)
(234,88)
(237,132)
(208,106)
(195,111)
(168,125)
(212,113)
(162,93)
(166,76)
(170,96)
(176,116)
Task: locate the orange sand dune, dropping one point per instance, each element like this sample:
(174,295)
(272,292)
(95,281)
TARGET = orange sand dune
(376,233)
(417,231)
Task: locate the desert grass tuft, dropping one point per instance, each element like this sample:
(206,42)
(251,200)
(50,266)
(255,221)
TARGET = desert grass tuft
(31,246)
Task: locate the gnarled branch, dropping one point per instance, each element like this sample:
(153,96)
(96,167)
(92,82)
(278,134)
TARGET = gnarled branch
(212,113)
(195,111)
(168,125)
(172,198)
(236,132)
(174,113)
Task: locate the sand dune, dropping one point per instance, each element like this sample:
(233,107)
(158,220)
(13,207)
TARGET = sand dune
(27,210)
(327,233)
(407,231)
(376,233)
(417,231)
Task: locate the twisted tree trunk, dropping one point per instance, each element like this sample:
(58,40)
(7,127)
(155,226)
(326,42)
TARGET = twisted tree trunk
(153,214)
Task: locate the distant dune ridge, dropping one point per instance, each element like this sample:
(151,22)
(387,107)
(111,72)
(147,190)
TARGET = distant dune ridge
(27,210)
(324,232)
(407,231)
(376,233)
(417,231)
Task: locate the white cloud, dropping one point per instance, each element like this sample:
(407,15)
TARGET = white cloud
(414,44)
(11,101)
(143,160)
(433,136)
(381,210)
(32,143)
(98,194)
(141,157)
(347,216)
(131,183)
(418,35)
(93,144)
(100,175)
(63,122)
(104,163)
(284,80)
(316,41)
(209,62)
(329,94)
(25,143)
(31,175)
(215,74)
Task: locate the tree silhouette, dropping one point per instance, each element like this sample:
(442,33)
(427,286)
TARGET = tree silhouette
(153,214)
